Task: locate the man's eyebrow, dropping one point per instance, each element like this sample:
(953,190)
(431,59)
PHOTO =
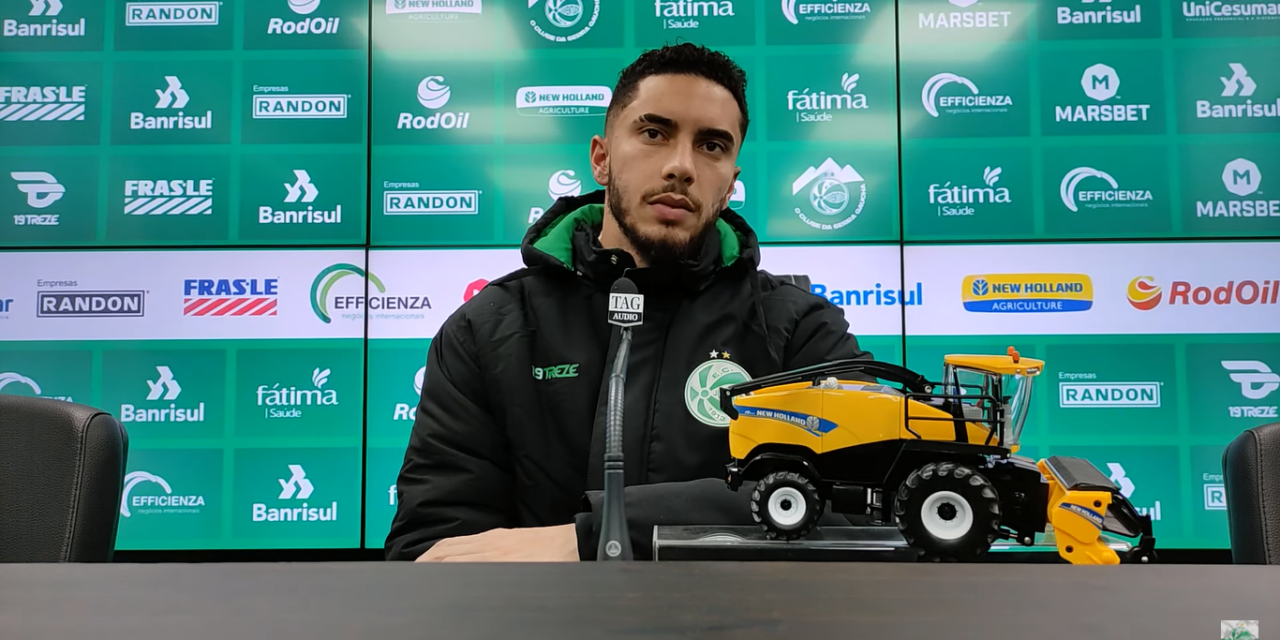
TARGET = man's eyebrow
(705,132)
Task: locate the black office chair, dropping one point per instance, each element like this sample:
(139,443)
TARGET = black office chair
(1251,473)
(62,470)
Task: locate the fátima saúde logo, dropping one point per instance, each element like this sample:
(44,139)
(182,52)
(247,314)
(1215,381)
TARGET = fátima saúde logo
(1027,292)
(325,281)
(702,389)
(434,10)
(820,106)
(1144,294)
(563,20)
(960,200)
(828,187)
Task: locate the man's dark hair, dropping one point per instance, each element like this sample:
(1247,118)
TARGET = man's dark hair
(681,59)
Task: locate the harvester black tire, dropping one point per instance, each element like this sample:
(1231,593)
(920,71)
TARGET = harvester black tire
(786,504)
(949,511)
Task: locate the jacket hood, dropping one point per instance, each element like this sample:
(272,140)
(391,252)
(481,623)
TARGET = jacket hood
(565,237)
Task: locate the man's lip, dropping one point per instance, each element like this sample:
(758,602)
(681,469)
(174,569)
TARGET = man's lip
(676,202)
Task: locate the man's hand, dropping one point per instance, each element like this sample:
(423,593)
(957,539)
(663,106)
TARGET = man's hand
(538,544)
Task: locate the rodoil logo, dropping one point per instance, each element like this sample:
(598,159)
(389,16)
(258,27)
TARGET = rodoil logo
(171,97)
(171,14)
(1073,197)
(817,106)
(300,192)
(1242,178)
(43,104)
(164,389)
(434,10)
(1100,15)
(1027,293)
(959,200)
(295,487)
(43,22)
(42,190)
(684,14)
(828,195)
(975,102)
(297,106)
(433,95)
(964,19)
(563,183)
(1145,294)
(405,411)
(287,402)
(308,24)
(1241,87)
(1101,82)
(136,500)
(819,11)
(563,100)
(168,197)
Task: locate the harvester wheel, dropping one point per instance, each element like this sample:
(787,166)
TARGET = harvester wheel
(786,505)
(949,511)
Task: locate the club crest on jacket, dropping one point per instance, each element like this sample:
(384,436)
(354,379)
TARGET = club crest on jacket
(702,389)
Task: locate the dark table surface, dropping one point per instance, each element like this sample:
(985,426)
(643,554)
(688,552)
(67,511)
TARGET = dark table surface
(800,601)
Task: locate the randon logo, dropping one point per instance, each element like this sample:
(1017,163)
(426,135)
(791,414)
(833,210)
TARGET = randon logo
(48,8)
(1100,82)
(929,94)
(165,385)
(172,96)
(1241,177)
(301,188)
(1239,83)
(41,187)
(1255,378)
(296,484)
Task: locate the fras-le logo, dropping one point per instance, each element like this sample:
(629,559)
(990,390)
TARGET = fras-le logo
(1145,294)
(1027,293)
(230,297)
(42,104)
(168,197)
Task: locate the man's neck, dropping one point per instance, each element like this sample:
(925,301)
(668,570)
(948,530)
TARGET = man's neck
(611,237)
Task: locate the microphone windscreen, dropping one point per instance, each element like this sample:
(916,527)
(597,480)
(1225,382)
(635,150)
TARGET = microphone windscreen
(624,285)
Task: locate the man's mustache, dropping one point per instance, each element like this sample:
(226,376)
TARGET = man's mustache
(678,189)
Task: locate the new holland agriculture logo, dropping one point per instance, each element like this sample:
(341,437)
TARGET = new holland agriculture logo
(404,199)
(171,14)
(391,307)
(287,402)
(964,19)
(1220,11)
(818,11)
(433,95)
(43,104)
(1145,294)
(563,20)
(959,200)
(829,196)
(1101,15)
(1027,292)
(1257,381)
(164,389)
(1073,197)
(171,98)
(1101,82)
(702,388)
(43,22)
(305,25)
(563,183)
(144,504)
(300,192)
(976,102)
(434,10)
(42,190)
(563,100)
(811,106)
(1242,178)
(405,411)
(295,487)
(297,106)
(1240,87)
(684,14)
(1094,394)
(168,197)
(230,297)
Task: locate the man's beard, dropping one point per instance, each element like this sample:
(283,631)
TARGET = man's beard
(666,248)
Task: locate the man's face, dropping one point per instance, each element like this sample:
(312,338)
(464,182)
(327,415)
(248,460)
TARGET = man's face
(669,163)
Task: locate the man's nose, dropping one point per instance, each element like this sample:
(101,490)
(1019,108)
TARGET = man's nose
(679,167)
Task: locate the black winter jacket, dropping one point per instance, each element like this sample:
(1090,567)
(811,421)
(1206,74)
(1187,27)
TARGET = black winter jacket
(510,426)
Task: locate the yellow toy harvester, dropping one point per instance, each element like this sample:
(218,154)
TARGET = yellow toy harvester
(936,459)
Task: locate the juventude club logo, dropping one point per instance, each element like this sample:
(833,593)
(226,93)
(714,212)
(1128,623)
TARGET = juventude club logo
(829,195)
(564,20)
(702,389)
(1239,630)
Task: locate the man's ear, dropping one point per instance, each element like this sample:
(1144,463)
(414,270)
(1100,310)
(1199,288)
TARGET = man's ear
(724,204)
(600,160)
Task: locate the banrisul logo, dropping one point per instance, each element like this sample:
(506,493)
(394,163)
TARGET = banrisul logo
(434,94)
(279,103)
(1101,83)
(434,10)
(1243,179)
(162,403)
(406,199)
(1095,189)
(1088,390)
(44,20)
(966,200)
(948,93)
(172,14)
(689,14)
(42,103)
(830,191)
(42,190)
(170,110)
(563,183)
(303,18)
(168,197)
(810,11)
(299,205)
(292,505)
(563,100)
(960,14)
(563,20)
(820,106)
(289,401)
(348,303)
(1096,12)
(1238,99)
(147,494)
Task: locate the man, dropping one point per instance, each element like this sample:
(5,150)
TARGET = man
(505,461)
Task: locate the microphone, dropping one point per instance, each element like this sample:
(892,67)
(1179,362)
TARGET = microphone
(626,309)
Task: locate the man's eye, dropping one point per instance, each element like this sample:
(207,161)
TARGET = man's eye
(652,134)
(715,146)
